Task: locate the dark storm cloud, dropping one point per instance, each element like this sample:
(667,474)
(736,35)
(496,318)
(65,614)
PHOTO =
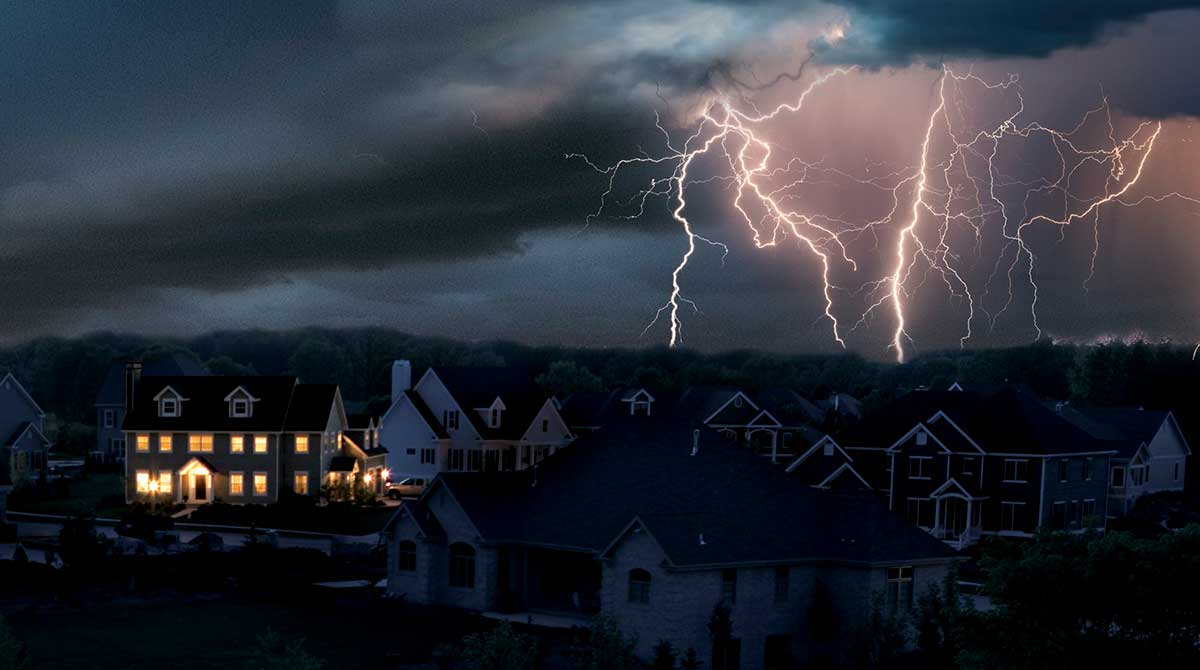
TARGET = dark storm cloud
(898,32)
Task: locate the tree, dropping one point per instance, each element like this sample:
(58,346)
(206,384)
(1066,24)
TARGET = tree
(939,613)
(690,660)
(881,639)
(500,649)
(13,654)
(80,545)
(273,652)
(605,648)
(664,656)
(565,377)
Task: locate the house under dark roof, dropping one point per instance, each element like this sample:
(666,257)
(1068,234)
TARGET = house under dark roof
(281,404)
(478,387)
(1006,419)
(112,390)
(706,500)
(1124,428)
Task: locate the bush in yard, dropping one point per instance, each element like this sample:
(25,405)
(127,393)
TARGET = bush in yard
(13,654)
(604,647)
(80,545)
(664,656)
(273,652)
(502,648)
(691,660)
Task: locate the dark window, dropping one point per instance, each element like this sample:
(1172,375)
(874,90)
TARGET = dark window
(456,459)
(777,655)
(899,589)
(406,554)
(920,512)
(1058,516)
(1016,470)
(545,425)
(1118,478)
(968,465)
(1012,516)
(729,585)
(1176,472)
(410,452)
(639,586)
(782,584)
(920,467)
(462,566)
(1088,468)
(108,418)
(495,418)
(1088,510)
(428,456)
(1064,470)
(450,419)
(474,460)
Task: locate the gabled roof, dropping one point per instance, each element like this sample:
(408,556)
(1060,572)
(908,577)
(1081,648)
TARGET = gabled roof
(310,407)
(845,472)
(1007,419)
(206,408)
(427,523)
(11,379)
(723,492)
(791,408)
(343,464)
(1125,428)
(22,428)
(479,387)
(112,390)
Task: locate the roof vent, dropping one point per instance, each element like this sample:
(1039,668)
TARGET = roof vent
(695,441)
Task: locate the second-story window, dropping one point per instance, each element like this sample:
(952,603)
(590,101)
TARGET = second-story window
(200,443)
(545,425)
(1016,471)
(920,467)
(639,586)
(968,465)
(1118,478)
(495,418)
(143,444)
(237,444)
(1088,467)
(428,456)
(729,586)
(1064,470)
(301,444)
(450,419)
(260,444)
(164,442)
(109,418)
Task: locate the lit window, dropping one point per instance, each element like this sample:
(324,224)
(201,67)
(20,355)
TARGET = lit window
(143,481)
(899,589)
(236,484)
(1016,471)
(143,444)
(164,481)
(406,556)
(260,444)
(639,586)
(260,483)
(164,442)
(301,444)
(462,566)
(198,443)
(237,444)
(300,486)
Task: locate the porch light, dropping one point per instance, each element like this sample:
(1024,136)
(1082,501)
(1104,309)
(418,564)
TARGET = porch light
(386,474)
(154,487)
(367,478)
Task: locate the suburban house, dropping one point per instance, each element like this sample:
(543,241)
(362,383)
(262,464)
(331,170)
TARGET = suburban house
(654,524)
(468,420)
(777,424)
(24,450)
(972,462)
(1151,451)
(110,400)
(826,465)
(247,439)
(363,435)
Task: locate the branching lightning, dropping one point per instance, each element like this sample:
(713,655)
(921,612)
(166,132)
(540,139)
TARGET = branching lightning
(957,188)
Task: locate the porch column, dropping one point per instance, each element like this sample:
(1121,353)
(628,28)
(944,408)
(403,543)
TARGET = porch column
(967,527)
(937,515)
(774,447)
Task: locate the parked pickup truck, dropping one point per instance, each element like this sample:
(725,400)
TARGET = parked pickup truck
(409,487)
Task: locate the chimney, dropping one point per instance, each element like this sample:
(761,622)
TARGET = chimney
(401,378)
(133,377)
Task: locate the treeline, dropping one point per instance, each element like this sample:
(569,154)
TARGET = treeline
(65,374)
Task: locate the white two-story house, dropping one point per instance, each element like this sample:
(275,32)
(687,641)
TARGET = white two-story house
(463,419)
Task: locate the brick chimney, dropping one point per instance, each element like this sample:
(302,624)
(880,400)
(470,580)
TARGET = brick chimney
(133,377)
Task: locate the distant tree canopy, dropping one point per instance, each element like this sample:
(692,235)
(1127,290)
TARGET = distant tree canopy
(65,374)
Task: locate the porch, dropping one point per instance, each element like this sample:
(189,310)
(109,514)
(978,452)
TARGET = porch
(957,515)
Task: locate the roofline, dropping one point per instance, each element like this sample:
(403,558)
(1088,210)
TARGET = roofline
(736,393)
(842,468)
(1179,431)
(636,520)
(21,388)
(920,424)
(804,561)
(29,425)
(942,413)
(243,390)
(800,459)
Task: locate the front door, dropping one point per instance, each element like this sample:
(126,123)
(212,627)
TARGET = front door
(955,516)
(200,488)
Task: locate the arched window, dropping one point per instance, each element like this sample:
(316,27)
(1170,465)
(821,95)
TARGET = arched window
(406,553)
(639,586)
(462,566)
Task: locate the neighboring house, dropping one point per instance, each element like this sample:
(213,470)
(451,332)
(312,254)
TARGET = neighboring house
(23,453)
(363,435)
(776,424)
(236,439)
(967,463)
(110,400)
(653,526)
(826,465)
(463,419)
(1151,451)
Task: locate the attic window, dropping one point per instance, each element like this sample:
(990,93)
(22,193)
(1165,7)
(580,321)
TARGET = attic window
(494,420)
(239,407)
(828,449)
(737,401)
(922,439)
(168,407)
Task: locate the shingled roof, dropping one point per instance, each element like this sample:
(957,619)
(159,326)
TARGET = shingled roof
(478,387)
(1006,419)
(748,511)
(1124,428)
(112,390)
(281,404)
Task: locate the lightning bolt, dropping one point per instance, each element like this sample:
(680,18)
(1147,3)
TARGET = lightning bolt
(956,186)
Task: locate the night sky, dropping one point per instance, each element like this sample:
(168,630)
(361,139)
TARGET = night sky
(175,168)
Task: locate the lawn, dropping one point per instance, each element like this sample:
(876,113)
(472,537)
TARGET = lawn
(199,633)
(98,493)
(338,519)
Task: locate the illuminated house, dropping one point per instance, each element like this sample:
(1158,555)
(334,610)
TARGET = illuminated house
(24,447)
(460,419)
(981,461)
(653,525)
(236,439)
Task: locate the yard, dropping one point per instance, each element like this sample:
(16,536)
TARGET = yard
(202,632)
(100,493)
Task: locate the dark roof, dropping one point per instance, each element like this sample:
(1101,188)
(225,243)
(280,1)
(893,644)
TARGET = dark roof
(791,408)
(694,405)
(1007,419)
(478,387)
(342,464)
(205,407)
(426,522)
(16,434)
(112,390)
(358,420)
(1124,428)
(748,510)
(589,408)
(310,407)
(427,414)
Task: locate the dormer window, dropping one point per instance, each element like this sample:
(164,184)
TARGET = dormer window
(241,403)
(170,403)
(494,419)
(639,403)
